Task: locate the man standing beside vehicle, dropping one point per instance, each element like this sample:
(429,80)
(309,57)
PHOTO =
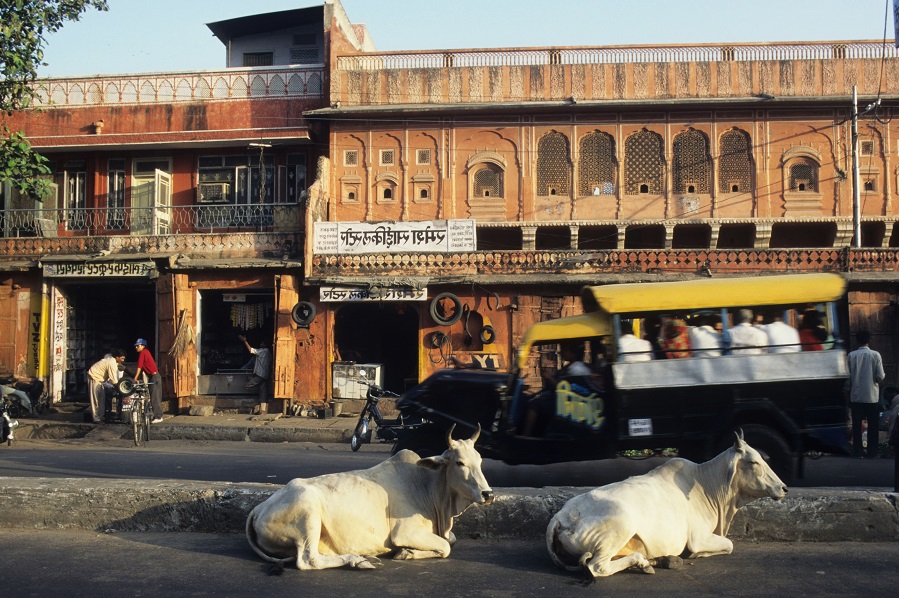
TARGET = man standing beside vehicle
(865,375)
(107,369)
(146,365)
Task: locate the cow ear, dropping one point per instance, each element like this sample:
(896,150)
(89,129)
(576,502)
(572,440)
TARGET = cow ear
(740,444)
(434,463)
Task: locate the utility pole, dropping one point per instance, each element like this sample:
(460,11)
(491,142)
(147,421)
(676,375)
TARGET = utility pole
(856,176)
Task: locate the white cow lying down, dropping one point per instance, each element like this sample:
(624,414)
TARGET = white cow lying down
(404,506)
(679,508)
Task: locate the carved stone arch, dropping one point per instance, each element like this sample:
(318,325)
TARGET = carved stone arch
(486,156)
(432,145)
(736,164)
(597,164)
(691,162)
(644,163)
(553,164)
(801,151)
(388,176)
(378,147)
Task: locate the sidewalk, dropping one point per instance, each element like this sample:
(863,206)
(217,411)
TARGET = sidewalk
(68,422)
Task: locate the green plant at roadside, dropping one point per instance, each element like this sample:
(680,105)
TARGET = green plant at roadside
(24,26)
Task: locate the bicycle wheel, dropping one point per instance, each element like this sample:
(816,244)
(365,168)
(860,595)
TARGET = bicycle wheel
(148,415)
(137,421)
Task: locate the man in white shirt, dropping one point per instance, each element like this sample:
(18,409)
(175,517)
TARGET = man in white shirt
(630,348)
(745,338)
(704,339)
(782,338)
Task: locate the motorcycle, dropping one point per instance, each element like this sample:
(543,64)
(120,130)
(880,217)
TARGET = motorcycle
(7,423)
(388,430)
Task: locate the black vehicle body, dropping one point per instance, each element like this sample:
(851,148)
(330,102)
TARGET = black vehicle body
(786,403)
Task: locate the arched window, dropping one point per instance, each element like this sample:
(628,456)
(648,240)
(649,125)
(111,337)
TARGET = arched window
(488,181)
(804,176)
(553,165)
(596,167)
(691,163)
(644,163)
(735,162)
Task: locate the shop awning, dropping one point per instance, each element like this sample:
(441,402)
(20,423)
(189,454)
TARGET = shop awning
(19,265)
(183,262)
(383,282)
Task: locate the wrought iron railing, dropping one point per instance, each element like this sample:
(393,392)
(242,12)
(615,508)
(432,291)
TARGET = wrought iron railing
(151,88)
(616,54)
(149,220)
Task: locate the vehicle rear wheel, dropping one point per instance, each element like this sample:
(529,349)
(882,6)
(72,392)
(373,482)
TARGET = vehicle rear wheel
(774,449)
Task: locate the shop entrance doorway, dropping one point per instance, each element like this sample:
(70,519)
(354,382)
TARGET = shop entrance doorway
(385,333)
(225,364)
(100,316)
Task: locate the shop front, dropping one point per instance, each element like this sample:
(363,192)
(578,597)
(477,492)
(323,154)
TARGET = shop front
(95,307)
(212,307)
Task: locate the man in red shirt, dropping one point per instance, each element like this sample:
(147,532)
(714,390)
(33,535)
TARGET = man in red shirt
(147,365)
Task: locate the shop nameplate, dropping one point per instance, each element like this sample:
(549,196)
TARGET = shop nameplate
(374,294)
(101,270)
(430,236)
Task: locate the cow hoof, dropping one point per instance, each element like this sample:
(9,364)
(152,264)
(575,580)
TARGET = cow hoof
(364,565)
(403,554)
(648,569)
(373,560)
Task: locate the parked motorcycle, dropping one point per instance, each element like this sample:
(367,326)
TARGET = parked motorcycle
(7,423)
(388,430)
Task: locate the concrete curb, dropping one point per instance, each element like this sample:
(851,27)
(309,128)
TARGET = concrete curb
(808,514)
(261,431)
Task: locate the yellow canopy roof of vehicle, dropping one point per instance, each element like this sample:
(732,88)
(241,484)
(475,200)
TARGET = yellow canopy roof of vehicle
(791,289)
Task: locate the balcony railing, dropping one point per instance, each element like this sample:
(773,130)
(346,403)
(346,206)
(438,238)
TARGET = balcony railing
(616,55)
(152,88)
(150,220)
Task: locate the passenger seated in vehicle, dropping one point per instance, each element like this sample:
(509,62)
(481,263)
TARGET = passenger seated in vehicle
(704,339)
(675,339)
(745,338)
(630,348)
(782,338)
(812,332)
(542,407)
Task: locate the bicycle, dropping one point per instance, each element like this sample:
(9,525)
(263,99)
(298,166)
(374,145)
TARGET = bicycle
(136,400)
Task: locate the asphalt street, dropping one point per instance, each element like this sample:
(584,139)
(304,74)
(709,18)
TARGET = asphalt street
(80,563)
(278,463)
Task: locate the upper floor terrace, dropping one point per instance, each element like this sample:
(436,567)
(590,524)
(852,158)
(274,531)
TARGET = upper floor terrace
(653,73)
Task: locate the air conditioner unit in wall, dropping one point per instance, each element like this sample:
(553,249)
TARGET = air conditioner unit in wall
(214,192)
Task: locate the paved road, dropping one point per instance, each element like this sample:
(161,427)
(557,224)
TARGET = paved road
(278,463)
(77,563)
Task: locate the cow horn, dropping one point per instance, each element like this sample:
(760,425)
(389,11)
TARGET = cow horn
(477,433)
(740,444)
(449,436)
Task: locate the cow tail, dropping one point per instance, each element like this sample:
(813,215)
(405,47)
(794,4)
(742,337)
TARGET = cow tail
(554,547)
(251,538)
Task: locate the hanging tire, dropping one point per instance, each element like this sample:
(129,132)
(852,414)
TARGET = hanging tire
(488,335)
(438,313)
(303,313)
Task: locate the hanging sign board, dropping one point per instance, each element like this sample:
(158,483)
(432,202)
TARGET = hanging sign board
(99,269)
(429,236)
(336,293)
